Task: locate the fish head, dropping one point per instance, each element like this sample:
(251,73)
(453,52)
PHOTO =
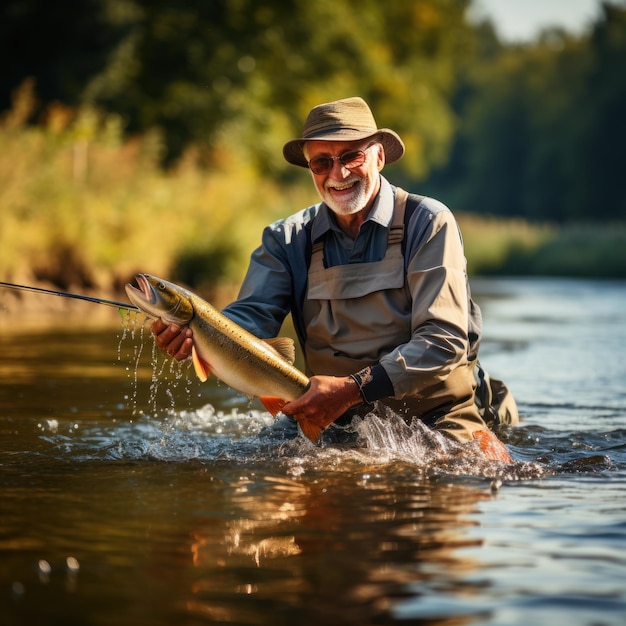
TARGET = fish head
(159,298)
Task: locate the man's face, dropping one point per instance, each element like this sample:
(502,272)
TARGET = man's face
(346,188)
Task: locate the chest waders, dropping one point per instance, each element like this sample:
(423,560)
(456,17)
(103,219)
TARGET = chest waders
(349,326)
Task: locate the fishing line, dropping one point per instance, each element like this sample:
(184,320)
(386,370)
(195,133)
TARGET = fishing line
(67,294)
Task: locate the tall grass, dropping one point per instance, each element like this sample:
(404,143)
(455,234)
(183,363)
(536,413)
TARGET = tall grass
(517,248)
(83,207)
(490,242)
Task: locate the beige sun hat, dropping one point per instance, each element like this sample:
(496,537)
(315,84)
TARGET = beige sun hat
(349,119)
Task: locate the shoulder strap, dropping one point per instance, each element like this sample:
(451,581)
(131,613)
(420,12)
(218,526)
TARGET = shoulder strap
(407,202)
(412,202)
(398,227)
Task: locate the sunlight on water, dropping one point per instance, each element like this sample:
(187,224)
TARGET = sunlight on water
(207,435)
(381,438)
(132,493)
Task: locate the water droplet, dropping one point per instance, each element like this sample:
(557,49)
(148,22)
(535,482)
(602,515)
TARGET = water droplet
(18,589)
(72,564)
(495,485)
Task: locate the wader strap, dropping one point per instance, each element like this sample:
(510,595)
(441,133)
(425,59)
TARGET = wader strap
(396,230)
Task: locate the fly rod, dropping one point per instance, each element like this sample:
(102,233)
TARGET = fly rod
(67,294)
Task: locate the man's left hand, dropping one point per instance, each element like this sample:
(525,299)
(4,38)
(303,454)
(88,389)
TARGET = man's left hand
(327,398)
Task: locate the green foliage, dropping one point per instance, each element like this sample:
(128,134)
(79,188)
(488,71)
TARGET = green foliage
(532,131)
(588,251)
(493,245)
(83,207)
(514,247)
(155,139)
(543,127)
(249,70)
(203,268)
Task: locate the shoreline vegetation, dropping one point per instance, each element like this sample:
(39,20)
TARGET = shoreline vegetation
(83,209)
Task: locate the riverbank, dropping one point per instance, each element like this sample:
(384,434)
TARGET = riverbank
(493,248)
(84,211)
(519,248)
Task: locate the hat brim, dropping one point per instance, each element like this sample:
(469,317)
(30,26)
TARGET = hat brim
(392,144)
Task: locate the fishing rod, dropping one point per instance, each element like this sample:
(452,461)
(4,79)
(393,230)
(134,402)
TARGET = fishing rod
(67,294)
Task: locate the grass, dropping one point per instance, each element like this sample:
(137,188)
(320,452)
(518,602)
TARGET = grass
(81,207)
(517,248)
(489,242)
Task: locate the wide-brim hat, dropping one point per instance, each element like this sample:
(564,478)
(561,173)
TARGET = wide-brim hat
(349,119)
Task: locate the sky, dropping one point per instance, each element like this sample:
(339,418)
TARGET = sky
(522,20)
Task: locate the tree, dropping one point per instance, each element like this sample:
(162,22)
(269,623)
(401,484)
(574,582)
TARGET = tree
(250,70)
(599,188)
(542,127)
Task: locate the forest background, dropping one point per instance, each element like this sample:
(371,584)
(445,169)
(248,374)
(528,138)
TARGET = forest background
(146,135)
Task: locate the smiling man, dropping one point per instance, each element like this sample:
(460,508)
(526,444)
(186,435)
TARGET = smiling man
(375,279)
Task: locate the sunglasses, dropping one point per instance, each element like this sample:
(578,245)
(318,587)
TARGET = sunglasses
(350,159)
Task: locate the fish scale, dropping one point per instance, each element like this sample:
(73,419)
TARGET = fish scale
(253,366)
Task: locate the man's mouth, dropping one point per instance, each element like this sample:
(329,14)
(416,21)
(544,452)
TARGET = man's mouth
(339,187)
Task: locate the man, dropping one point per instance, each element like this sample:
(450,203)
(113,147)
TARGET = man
(376,283)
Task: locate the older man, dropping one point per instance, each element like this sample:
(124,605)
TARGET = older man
(375,280)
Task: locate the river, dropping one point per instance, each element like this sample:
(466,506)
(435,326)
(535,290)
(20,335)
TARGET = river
(133,494)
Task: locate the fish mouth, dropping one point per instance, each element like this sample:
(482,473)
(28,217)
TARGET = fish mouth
(146,288)
(158,298)
(143,290)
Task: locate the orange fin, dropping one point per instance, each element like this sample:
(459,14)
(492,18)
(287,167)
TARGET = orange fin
(311,431)
(285,347)
(272,404)
(275,405)
(491,446)
(203,371)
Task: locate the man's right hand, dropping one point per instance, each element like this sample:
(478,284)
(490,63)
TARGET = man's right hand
(175,340)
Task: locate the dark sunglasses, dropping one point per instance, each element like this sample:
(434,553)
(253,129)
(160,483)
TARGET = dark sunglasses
(350,159)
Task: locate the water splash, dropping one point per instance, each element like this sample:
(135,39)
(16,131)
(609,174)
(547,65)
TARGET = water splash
(383,439)
(381,442)
(130,329)
(169,379)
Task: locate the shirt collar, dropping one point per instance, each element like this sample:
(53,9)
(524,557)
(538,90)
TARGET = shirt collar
(381,213)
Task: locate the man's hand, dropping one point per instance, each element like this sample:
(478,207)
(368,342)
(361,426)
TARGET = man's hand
(174,340)
(327,398)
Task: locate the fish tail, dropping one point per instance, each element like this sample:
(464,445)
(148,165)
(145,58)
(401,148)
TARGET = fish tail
(491,446)
(275,405)
(310,431)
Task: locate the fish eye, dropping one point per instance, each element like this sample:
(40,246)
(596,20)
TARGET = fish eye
(161,286)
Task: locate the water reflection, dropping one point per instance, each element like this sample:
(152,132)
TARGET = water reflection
(179,511)
(319,550)
(247,544)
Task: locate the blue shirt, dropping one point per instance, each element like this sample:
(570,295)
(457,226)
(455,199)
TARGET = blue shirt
(276,282)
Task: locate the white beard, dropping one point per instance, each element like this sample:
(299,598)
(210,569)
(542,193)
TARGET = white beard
(350,204)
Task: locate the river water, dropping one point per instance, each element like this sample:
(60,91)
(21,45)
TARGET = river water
(132,494)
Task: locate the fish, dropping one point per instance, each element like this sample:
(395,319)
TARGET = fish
(257,367)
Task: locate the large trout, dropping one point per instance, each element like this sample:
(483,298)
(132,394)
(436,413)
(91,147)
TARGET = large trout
(256,367)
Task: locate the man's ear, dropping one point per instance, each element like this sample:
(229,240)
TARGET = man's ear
(380,156)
